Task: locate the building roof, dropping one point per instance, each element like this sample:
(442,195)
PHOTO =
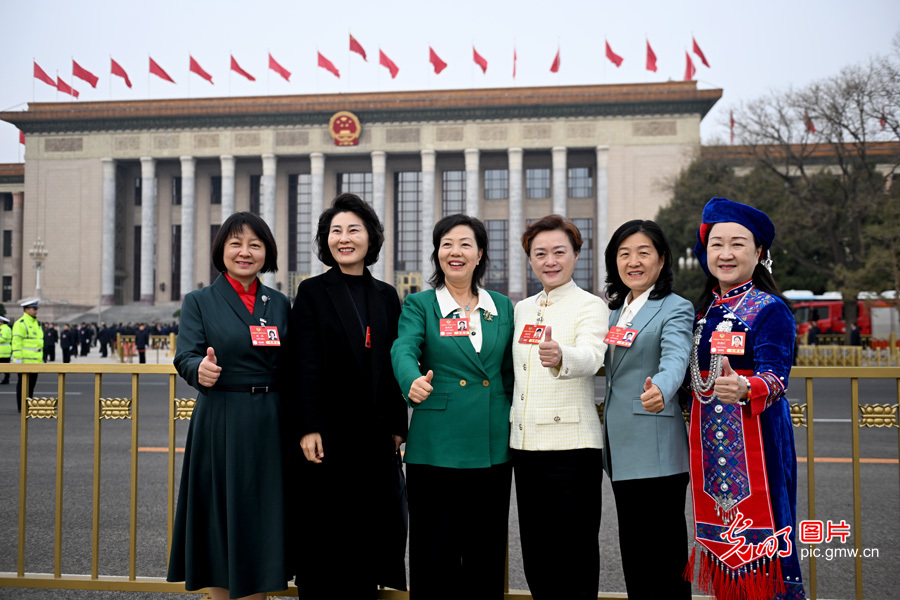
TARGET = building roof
(680,97)
(12,172)
(879,152)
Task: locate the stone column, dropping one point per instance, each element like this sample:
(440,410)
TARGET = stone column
(267,203)
(108,234)
(428,181)
(18,218)
(148,229)
(227,186)
(601,228)
(473,183)
(515,226)
(317,204)
(188,224)
(560,181)
(379,166)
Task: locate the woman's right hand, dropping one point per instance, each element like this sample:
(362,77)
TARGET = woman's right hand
(312,447)
(421,387)
(208,372)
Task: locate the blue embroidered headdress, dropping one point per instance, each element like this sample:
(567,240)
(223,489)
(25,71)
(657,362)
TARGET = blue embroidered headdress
(723,210)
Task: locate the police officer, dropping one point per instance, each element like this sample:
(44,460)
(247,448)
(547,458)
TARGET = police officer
(5,345)
(27,346)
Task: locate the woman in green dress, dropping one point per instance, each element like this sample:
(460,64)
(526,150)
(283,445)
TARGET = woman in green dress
(229,532)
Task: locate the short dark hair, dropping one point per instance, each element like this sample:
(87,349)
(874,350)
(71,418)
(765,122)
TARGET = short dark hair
(481,240)
(356,205)
(616,290)
(232,226)
(552,223)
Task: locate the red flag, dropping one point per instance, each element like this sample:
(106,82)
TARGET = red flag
(157,70)
(196,68)
(732,126)
(65,88)
(808,122)
(435,60)
(273,64)
(699,53)
(384,61)
(355,46)
(116,69)
(554,68)
(883,120)
(237,69)
(82,73)
(612,56)
(514,62)
(328,65)
(479,60)
(40,74)
(651,58)
(22,137)
(689,69)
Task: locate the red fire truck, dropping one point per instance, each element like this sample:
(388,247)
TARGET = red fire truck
(877,313)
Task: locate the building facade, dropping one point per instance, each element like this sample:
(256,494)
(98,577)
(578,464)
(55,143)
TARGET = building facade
(128,196)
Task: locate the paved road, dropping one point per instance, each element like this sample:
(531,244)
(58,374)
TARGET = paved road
(881,500)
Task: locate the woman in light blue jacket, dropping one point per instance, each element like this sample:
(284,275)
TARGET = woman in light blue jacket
(646,455)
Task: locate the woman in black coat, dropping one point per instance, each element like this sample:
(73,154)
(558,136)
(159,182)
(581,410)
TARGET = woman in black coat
(352,418)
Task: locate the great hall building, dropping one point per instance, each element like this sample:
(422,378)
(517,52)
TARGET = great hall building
(126,197)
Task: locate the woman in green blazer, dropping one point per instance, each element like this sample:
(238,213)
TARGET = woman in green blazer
(229,532)
(453,361)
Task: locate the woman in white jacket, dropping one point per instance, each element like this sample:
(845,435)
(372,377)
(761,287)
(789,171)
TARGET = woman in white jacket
(555,432)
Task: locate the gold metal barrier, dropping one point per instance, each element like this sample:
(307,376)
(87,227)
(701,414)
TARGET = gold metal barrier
(180,409)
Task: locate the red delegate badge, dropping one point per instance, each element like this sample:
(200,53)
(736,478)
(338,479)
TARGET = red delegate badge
(532,334)
(454,327)
(264,336)
(727,342)
(621,336)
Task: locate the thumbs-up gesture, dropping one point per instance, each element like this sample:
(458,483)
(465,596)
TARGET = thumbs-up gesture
(208,371)
(421,387)
(652,398)
(549,351)
(730,387)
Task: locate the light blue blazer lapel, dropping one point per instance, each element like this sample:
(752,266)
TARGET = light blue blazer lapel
(639,322)
(462,342)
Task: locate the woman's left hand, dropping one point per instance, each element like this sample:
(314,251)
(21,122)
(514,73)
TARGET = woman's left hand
(397,441)
(729,388)
(549,351)
(652,398)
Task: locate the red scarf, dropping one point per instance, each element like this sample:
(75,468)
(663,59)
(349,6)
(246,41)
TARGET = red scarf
(248,297)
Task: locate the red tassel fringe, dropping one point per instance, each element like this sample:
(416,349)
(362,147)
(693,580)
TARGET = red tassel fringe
(715,579)
(688,573)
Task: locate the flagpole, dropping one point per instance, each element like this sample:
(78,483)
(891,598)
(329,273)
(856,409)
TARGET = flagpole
(110,77)
(148,76)
(33,62)
(57,85)
(268,73)
(231,57)
(189,74)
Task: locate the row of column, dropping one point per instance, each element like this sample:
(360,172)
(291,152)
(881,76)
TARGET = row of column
(516,217)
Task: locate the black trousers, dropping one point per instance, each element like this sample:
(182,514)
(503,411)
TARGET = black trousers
(142,356)
(67,354)
(5,375)
(653,509)
(32,380)
(457,531)
(558,493)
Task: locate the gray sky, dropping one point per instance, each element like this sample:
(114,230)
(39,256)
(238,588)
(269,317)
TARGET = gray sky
(752,47)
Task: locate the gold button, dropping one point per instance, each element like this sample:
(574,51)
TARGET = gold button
(556,418)
(462,382)
(485,383)
(520,427)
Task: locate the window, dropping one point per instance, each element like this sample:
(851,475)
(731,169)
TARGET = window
(408,204)
(355,183)
(136,271)
(176,263)
(537,183)
(497,276)
(213,232)
(137,191)
(453,194)
(496,184)
(7,202)
(300,226)
(215,190)
(581,182)
(7,242)
(176,191)
(584,268)
(7,288)
(254,193)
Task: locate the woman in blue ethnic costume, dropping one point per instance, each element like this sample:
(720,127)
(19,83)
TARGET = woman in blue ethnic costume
(743,463)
